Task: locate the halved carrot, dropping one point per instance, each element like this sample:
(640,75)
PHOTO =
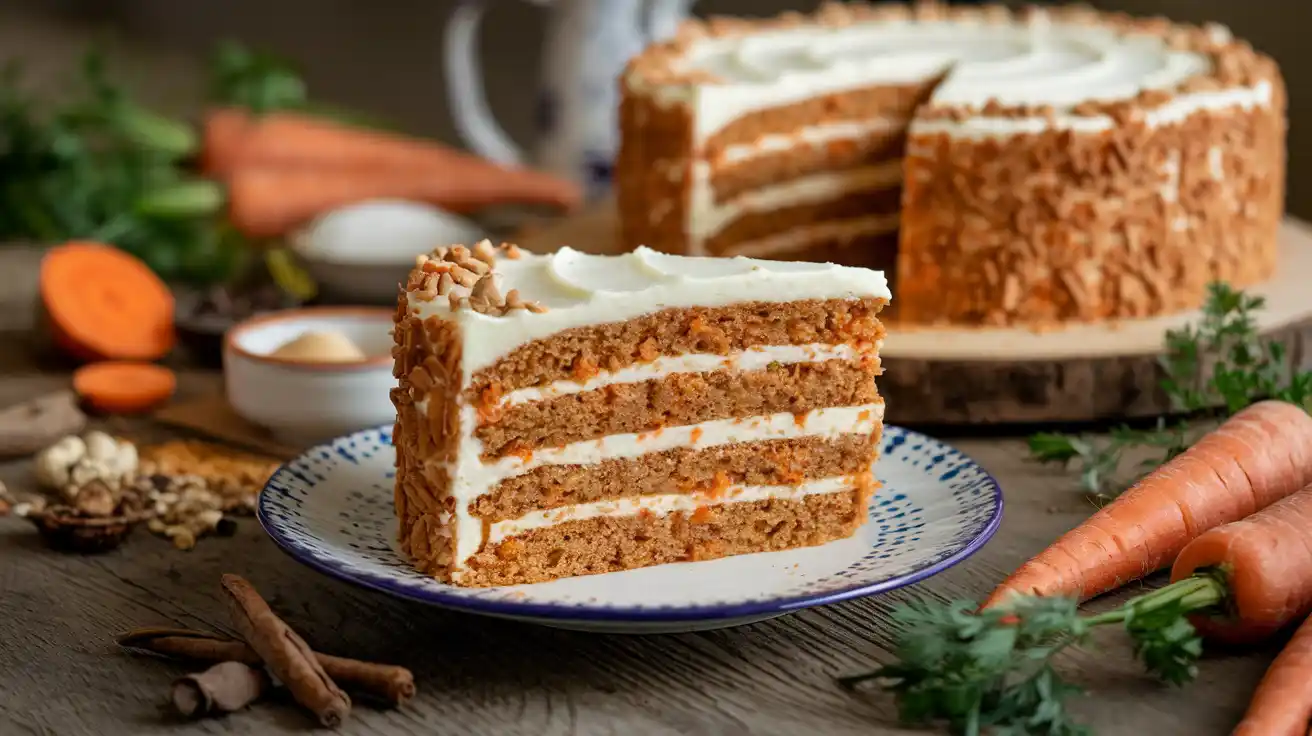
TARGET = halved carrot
(101,303)
(1257,457)
(1265,561)
(124,387)
(265,201)
(1282,703)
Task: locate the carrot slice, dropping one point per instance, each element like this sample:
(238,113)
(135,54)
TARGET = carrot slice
(1266,560)
(1282,703)
(124,387)
(101,303)
(1257,457)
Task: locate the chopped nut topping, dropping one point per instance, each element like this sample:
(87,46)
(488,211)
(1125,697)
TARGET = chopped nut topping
(466,277)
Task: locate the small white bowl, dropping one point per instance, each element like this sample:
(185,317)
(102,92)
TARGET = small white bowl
(303,402)
(359,253)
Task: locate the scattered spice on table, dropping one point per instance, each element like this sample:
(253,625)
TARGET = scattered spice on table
(104,486)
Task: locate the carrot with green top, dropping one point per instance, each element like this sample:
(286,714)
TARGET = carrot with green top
(1239,582)
(1257,457)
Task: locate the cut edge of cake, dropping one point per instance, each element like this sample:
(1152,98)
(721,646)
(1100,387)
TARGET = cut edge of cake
(571,414)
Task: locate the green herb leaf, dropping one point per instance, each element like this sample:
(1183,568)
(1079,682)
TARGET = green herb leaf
(1220,362)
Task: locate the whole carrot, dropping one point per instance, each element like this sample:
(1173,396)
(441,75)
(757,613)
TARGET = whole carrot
(1238,582)
(1282,703)
(221,138)
(1257,457)
(269,201)
(236,141)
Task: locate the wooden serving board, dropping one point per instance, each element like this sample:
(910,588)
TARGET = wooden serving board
(1084,373)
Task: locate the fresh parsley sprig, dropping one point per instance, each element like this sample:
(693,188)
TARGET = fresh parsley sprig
(1214,368)
(993,671)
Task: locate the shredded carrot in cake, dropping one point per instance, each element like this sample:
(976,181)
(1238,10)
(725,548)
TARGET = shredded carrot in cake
(647,350)
(701,515)
(863,416)
(520,451)
(584,368)
(719,484)
(489,403)
(695,435)
(799,419)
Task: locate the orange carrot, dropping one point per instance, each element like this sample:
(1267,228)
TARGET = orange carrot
(124,387)
(103,304)
(1257,457)
(1265,561)
(234,141)
(221,137)
(1282,703)
(268,201)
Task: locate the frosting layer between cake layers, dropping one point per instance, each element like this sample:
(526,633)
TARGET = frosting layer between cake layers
(783,410)
(772,138)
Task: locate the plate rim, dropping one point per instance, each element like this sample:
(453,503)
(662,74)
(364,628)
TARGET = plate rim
(551,611)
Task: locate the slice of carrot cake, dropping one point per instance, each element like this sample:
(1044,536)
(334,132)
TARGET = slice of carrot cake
(571,414)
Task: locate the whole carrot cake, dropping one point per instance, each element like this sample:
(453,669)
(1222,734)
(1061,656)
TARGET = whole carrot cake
(1005,167)
(571,414)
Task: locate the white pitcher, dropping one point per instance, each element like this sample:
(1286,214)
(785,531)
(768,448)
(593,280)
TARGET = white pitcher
(588,43)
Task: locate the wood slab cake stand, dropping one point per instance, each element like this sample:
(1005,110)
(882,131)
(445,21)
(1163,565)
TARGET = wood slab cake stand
(1084,373)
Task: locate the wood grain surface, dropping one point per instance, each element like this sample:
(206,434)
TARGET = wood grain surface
(63,675)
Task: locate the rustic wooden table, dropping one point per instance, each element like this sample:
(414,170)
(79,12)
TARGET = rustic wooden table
(61,673)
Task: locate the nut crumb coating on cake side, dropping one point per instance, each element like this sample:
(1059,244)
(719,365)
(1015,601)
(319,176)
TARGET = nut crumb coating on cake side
(545,404)
(1111,185)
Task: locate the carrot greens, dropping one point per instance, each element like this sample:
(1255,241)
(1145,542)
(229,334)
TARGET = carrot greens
(89,167)
(992,671)
(1219,362)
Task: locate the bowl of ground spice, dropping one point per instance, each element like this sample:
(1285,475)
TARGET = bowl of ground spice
(312,374)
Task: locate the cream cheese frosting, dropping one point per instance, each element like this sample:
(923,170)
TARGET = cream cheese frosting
(579,289)
(1034,59)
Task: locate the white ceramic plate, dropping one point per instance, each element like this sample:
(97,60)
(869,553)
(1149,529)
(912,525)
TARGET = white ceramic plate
(331,508)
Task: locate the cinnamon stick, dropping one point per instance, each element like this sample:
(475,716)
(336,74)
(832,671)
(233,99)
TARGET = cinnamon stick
(227,687)
(390,684)
(285,653)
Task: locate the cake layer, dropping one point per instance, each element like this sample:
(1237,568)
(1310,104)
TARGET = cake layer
(861,103)
(863,241)
(751,359)
(678,400)
(786,156)
(815,189)
(683,470)
(477,478)
(612,543)
(881,200)
(576,354)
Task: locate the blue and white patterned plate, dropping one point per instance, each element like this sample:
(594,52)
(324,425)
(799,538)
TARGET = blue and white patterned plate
(331,508)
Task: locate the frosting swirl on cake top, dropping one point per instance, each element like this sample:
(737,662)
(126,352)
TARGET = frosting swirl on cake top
(988,62)
(579,289)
